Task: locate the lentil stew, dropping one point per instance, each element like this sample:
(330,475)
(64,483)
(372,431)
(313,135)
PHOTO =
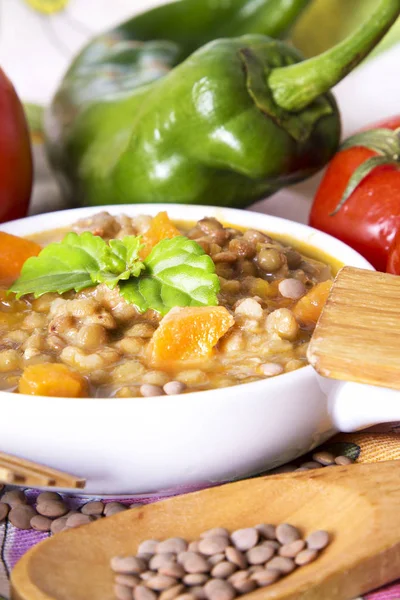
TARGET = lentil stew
(270,296)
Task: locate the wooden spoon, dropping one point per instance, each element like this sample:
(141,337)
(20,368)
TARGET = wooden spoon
(357,504)
(356,339)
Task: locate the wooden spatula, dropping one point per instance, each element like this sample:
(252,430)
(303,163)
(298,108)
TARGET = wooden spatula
(357,337)
(358,505)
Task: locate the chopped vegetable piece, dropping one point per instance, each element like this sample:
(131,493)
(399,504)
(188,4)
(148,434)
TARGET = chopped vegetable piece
(49,379)
(309,307)
(161,228)
(189,333)
(14,251)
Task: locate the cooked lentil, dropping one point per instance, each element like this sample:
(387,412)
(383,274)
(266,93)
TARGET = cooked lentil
(96,333)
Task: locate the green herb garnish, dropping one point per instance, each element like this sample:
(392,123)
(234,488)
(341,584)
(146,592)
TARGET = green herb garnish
(177,272)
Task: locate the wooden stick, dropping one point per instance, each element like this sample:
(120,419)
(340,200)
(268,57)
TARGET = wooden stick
(19,471)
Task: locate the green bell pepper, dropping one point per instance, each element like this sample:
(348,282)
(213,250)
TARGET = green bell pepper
(138,118)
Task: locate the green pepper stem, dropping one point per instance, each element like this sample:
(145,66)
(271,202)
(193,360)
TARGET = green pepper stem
(296,86)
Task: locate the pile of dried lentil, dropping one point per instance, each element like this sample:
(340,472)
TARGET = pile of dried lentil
(52,512)
(218,566)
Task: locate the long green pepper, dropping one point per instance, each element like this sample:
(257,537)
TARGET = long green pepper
(147,113)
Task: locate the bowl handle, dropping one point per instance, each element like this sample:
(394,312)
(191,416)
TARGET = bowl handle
(354,406)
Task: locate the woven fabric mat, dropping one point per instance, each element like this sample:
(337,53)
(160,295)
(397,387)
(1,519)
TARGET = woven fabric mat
(381,443)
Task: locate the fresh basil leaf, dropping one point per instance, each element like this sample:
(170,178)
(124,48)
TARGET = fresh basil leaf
(178,273)
(78,262)
(114,257)
(142,292)
(61,267)
(133,245)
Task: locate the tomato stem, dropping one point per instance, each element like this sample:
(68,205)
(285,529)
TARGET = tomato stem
(386,144)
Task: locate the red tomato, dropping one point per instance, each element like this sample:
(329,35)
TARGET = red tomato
(15,155)
(370,218)
(393,263)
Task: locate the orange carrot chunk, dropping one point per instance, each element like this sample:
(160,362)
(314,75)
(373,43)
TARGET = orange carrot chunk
(14,251)
(189,334)
(161,228)
(52,379)
(309,307)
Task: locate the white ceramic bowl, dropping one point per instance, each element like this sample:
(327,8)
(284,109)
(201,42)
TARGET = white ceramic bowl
(144,445)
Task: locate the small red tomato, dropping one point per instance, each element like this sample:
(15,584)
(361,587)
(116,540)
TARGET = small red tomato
(15,155)
(370,217)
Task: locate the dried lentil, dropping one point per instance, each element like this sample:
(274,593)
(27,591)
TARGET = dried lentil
(93,508)
(114,508)
(324,458)
(285,533)
(40,523)
(343,460)
(128,580)
(218,589)
(4,510)
(142,592)
(172,592)
(244,539)
(213,544)
(20,516)
(176,574)
(159,583)
(281,564)
(122,592)
(236,557)
(318,540)
(52,508)
(223,569)
(14,498)
(58,525)
(259,555)
(127,565)
(265,577)
(194,579)
(78,520)
(291,550)
(172,545)
(305,557)
(312,464)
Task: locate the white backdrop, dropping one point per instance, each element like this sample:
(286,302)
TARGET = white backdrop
(35,50)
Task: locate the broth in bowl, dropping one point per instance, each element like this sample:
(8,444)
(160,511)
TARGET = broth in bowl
(233,307)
